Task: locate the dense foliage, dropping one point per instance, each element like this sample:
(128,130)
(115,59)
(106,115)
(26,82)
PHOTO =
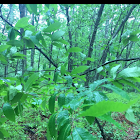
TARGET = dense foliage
(67,63)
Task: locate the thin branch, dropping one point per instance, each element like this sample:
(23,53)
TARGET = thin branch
(138,58)
(123,21)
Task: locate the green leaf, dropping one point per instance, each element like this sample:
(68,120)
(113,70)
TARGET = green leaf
(125,41)
(55,76)
(33,8)
(61,100)
(52,103)
(34,40)
(8,112)
(124,81)
(69,97)
(109,119)
(69,80)
(113,71)
(130,72)
(57,45)
(79,69)
(23,22)
(62,41)
(74,104)
(30,81)
(4,47)
(74,49)
(4,132)
(3,59)
(90,59)
(51,125)
(81,134)
(64,132)
(99,96)
(99,69)
(133,38)
(16,43)
(40,37)
(57,35)
(1,135)
(130,115)
(52,27)
(18,55)
(16,98)
(63,69)
(97,83)
(11,34)
(117,90)
(29,43)
(103,107)
(62,118)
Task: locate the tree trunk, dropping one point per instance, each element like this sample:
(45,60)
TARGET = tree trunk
(22,14)
(90,50)
(70,61)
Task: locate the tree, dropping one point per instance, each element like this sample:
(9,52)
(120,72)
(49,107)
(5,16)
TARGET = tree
(69,66)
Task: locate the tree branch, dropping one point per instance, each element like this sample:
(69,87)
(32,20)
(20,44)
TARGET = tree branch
(123,21)
(138,58)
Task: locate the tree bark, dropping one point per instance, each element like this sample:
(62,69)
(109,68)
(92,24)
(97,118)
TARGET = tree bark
(70,61)
(90,50)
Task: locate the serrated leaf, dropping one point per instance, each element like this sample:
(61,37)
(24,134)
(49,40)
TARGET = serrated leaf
(130,72)
(11,34)
(52,27)
(103,107)
(113,71)
(30,81)
(16,43)
(8,112)
(51,125)
(117,90)
(33,8)
(61,100)
(79,69)
(81,134)
(57,35)
(52,103)
(23,22)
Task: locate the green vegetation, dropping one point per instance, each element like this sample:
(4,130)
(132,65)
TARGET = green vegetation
(70,78)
